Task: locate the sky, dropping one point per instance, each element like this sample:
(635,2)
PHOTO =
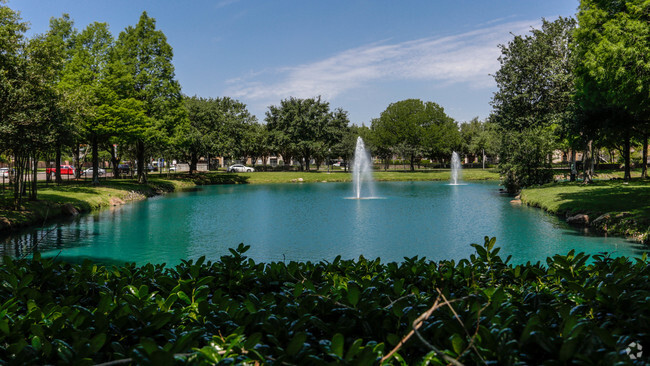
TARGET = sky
(359,55)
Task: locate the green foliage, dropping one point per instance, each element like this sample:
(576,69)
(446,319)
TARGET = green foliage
(305,129)
(524,159)
(534,105)
(340,312)
(217,127)
(411,128)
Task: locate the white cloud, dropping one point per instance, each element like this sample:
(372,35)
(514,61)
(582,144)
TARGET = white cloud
(465,58)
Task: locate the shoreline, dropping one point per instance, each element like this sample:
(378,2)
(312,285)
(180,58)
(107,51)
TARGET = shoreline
(624,215)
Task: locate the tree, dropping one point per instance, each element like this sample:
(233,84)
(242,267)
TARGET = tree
(148,60)
(534,98)
(479,138)
(304,129)
(62,35)
(524,159)
(12,44)
(613,49)
(216,126)
(412,128)
(85,80)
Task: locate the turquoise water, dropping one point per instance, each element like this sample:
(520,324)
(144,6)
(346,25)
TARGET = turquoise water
(315,222)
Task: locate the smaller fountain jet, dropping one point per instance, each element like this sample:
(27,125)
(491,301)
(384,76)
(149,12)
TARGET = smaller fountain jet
(456,169)
(362,172)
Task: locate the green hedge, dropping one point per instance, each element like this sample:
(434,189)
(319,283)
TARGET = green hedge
(344,312)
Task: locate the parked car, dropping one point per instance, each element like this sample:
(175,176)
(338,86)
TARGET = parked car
(240,168)
(172,168)
(124,168)
(338,163)
(5,172)
(89,171)
(65,170)
(150,168)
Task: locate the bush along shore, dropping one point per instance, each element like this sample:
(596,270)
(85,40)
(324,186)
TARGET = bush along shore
(609,207)
(481,310)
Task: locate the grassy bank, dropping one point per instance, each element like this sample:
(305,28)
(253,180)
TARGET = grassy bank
(612,207)
(59,200)
(340,176)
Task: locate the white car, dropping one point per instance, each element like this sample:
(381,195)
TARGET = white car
(89,171)
(4,172)
(240,168)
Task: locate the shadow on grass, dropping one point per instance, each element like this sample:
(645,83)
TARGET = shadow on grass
(602,197)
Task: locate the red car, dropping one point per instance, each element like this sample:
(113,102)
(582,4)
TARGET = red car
(65,170)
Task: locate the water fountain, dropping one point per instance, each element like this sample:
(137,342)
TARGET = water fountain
(456,169)
(362,172)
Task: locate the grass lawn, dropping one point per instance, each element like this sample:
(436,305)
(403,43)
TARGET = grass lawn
(83,196)
(340,176)
(627,204)
(597,198)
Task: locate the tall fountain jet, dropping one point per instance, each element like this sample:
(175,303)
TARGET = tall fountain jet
(362,172)
(456,169)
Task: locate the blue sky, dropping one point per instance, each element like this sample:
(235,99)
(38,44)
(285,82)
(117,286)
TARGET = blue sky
(359,55)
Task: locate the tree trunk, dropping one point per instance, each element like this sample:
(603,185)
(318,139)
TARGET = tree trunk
(95,160)
(411,162)
(483,161)
(626,154)
(139,151)
(574,171)
(115,161)
(586,163)
(75,160)
(18,181)
(57,165)
(33,191)
(194,160)
(644,165)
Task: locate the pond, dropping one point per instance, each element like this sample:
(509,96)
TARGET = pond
(314,222)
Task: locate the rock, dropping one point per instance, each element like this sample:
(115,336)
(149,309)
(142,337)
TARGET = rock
(578,220)
(115,201)
(4,223)
(300,179)
(515,202)
(69,209)
(294,180)
(601,219)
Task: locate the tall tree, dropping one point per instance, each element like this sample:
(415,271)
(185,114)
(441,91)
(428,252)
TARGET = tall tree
(613,72)
(84,80)
(62,35)
(216,127)
(534,98)
(148,58)
(412,128)
(12,44)
(304,128)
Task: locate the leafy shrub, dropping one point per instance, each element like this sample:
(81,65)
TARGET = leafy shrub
(477,310)
(524,158)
